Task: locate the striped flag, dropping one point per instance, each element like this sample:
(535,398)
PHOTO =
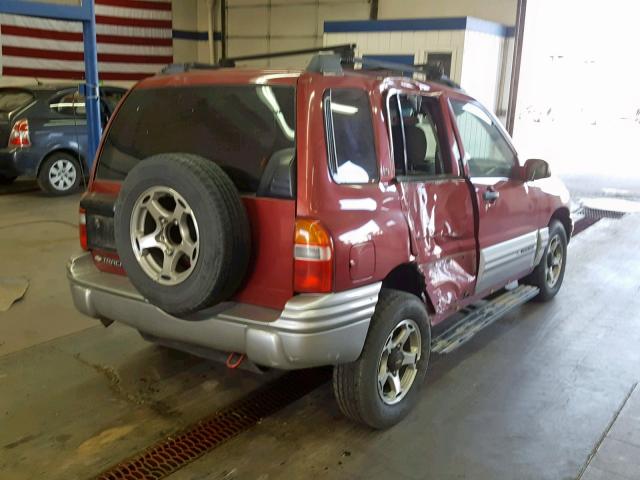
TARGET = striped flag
(134,41)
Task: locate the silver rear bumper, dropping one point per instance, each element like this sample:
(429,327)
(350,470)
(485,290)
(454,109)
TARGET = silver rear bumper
(312,330)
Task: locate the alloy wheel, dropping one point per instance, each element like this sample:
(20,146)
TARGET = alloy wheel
(164,235)
(398,364)
(555,259)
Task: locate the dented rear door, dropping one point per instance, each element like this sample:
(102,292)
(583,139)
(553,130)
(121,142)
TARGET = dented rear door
(435,198)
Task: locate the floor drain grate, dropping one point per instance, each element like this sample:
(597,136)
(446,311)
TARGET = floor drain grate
(596,213)
(178,450)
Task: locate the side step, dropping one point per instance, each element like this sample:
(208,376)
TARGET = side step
(480,315)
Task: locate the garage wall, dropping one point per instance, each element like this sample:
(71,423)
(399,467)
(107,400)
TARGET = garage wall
(272,25)
(256,26)
(482,67)
(418,43)
(501,11)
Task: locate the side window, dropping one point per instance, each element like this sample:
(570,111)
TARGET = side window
(350,141)
(69,104)
(111,98)
(415,136)
(486,151)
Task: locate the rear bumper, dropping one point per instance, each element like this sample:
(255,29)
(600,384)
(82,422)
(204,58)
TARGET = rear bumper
(312,330)
(15,162)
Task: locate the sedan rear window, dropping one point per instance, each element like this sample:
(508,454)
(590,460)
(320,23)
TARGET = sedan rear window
(12,99)
(238,127)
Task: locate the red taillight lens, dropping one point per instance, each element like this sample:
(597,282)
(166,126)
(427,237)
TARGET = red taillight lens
(82,224)
(313,257)
(19,136)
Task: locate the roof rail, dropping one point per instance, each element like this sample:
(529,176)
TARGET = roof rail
(341,52)
(327,60)
(345,51)
(431,72)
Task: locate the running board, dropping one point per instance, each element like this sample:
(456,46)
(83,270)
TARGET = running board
(480,315)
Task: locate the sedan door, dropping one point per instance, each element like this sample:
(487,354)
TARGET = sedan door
(507,232)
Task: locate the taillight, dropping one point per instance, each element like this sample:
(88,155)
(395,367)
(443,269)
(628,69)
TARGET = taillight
(82,226)
(19,136)
(313,257)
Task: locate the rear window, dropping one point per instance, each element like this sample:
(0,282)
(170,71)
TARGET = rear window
(11,100)
(238,127)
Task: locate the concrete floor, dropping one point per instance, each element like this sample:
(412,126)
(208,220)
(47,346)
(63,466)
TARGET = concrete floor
(548,392)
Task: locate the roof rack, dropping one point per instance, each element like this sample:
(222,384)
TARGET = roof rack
(327,60)
(432,73)
(344,51)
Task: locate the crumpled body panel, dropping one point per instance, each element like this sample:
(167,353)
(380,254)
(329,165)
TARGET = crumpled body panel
(440,217)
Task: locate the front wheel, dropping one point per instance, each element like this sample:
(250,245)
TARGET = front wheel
(60,174)
(382,386)
(549,273)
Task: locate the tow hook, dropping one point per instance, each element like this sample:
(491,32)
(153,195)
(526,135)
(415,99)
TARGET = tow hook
(234,360)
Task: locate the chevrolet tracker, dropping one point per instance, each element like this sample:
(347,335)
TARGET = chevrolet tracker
(312,218)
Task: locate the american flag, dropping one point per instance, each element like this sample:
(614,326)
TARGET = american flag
(134,41)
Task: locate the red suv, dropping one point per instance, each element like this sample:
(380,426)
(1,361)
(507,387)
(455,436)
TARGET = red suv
(309,218)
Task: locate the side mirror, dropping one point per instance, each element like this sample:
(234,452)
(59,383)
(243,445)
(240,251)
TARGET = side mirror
(535,169)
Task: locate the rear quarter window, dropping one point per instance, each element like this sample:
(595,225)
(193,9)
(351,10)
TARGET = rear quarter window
(12,99)
(350,140)
(239,127)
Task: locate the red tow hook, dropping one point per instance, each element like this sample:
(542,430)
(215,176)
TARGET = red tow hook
(230,360)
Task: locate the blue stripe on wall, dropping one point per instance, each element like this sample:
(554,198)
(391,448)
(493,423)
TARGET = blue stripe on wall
(422,24)
(403,24)
(197,36)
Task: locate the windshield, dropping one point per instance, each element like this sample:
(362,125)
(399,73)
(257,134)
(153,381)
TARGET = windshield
(11,100)
(238,127)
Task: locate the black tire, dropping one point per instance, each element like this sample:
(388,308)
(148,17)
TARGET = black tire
(224,237)
(61,187)
(539,278)
(5,180)
(355,384)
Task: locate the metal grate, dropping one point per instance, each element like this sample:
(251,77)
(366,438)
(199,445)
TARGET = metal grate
(596,213)
(177,451)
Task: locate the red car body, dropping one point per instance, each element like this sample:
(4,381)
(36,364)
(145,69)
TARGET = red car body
(428,234)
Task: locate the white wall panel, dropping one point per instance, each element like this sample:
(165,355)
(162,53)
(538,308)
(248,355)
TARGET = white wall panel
(418,43)
(482,67)
(502,11)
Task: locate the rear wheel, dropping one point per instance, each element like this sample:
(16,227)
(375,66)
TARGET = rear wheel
(549,273)
(382,386)
(60,174)
(6,180)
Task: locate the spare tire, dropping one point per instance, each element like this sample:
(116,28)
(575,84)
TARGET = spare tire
(182,232)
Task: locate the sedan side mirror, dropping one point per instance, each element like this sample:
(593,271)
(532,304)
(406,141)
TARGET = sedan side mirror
(535,169)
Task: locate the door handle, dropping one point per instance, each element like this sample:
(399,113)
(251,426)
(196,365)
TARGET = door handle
(490,196)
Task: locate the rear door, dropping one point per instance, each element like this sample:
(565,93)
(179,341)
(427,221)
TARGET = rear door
(248,130)
(435,197)
(69,120)
(507,233)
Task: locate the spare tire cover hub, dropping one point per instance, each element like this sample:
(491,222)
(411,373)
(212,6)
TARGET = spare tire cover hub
(164,235)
